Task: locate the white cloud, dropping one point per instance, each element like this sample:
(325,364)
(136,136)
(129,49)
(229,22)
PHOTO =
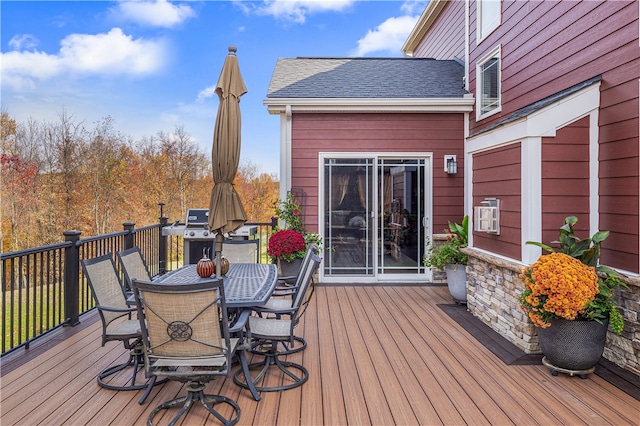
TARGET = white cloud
(84,54)
(295,10)
(206,93)
(414,7)
(23,42)
(160,13)
(111,53)
(386,37)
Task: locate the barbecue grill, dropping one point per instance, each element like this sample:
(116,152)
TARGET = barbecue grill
(196,235)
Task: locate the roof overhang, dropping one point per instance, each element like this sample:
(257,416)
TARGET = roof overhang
(289,105)
(425,22)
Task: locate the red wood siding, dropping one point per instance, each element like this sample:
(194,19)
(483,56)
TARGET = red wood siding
(548,46)
(565,179)
(444,40)
(496,173)
(440,134)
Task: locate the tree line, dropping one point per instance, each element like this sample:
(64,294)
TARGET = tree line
(64,175)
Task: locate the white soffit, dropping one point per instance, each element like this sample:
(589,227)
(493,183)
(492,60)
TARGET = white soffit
(279,105)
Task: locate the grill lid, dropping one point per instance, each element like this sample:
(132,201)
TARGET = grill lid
(197,217)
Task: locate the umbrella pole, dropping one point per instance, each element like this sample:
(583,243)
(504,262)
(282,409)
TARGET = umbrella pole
(219,242)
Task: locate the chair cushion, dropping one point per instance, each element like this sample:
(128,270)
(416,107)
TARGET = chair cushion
(124,328)
(195,362)
(270,328)
(278,303)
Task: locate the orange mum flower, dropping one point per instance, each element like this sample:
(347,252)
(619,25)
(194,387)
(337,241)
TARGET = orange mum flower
(557,285)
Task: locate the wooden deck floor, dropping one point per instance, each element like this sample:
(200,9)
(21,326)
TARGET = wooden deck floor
(377,355)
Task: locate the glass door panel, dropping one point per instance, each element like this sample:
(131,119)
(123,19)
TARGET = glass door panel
(401,209)
(348,201)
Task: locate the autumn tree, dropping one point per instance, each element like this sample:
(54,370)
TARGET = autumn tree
(63,146)
(18,178)
(258,191)
(58,176)
(106,179)
(185,166)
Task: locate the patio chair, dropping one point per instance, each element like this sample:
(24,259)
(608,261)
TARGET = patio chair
(186,338)
(267,332)
(283,297)
(286,283)
(117,324)
(241,251)
(134,266)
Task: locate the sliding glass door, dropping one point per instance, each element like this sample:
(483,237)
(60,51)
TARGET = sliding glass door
(374,216)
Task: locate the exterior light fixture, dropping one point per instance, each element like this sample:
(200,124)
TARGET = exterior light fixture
(450,164)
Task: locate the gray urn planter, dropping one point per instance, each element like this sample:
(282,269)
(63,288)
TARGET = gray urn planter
(575,346)
(457,282)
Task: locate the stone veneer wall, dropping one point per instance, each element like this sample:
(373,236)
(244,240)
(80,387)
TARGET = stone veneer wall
(493,287)
(439,275)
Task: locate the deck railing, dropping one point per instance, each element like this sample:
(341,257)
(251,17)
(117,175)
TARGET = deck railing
(44,288)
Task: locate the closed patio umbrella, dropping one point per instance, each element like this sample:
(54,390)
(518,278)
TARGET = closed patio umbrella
(226,213)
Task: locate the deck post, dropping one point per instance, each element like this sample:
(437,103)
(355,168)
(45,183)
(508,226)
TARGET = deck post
(128,238)
(72,279)
(162,242)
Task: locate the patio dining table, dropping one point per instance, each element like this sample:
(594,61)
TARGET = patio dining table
(245,284)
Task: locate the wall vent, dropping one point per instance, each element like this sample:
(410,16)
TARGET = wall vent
(487,216)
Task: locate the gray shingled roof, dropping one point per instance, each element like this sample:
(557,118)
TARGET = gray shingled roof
(366,78)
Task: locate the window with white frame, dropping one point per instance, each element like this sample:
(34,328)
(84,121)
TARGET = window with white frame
(488,84)
(488,17)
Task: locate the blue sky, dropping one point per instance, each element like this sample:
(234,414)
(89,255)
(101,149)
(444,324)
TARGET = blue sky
(152,65)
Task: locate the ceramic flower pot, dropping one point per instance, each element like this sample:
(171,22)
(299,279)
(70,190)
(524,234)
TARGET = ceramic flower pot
(457,282)
(573,344)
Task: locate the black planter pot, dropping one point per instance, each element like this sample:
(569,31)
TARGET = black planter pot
(573,345)
(289,269)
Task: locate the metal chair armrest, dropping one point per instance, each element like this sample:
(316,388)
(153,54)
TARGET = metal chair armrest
(238,326)
(112,309)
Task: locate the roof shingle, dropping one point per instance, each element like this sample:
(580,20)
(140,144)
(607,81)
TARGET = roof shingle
(366,78)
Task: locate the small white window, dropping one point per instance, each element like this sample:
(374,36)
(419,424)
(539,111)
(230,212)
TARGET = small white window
(488,17)
(488,85)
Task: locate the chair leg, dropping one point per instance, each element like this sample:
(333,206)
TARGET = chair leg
(271,358)
(292,349)
(132,362)
(245,369)
(135,362)
(195,392)
(299,345)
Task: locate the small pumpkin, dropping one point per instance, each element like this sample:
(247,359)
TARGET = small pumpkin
(205,266)
(224,265)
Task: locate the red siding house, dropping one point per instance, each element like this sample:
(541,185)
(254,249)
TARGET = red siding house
(554,132)
(363,146)
(536,103)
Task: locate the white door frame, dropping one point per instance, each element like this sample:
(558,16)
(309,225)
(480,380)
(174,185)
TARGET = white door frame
(428,214)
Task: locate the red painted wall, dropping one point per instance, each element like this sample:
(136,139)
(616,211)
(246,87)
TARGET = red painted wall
(565,180)
(364,133)
(444,40)
(496,174)
(548,46)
